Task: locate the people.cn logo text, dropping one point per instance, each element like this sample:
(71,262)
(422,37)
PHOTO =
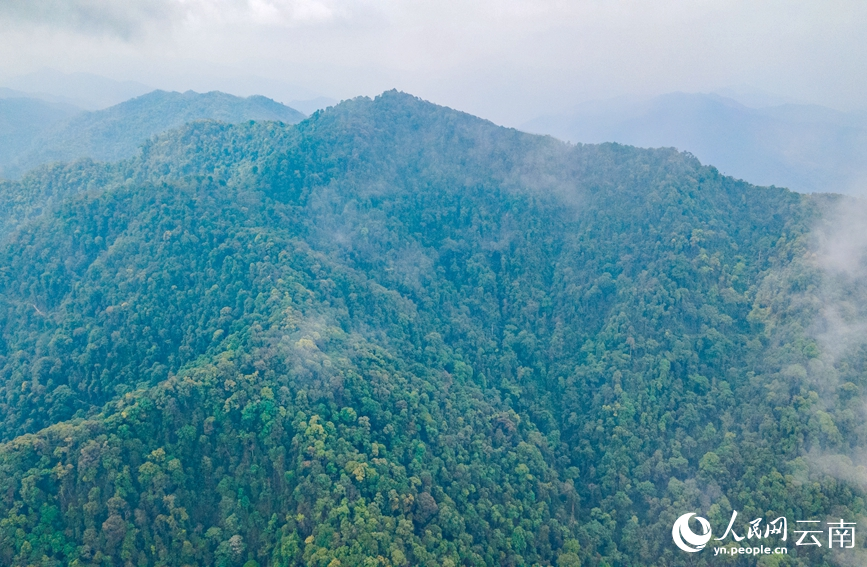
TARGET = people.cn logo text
(758,532)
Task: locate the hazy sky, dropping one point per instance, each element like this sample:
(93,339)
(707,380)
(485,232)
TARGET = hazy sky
(506,60)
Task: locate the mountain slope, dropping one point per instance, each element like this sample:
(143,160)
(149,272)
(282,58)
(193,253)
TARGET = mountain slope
(396,334)
(806,148)
(117,132)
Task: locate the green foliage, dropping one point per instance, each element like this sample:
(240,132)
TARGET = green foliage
(395,334)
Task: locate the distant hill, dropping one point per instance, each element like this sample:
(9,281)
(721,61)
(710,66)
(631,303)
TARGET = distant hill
(117,132)
(804,147)
(23,120)
(89,91)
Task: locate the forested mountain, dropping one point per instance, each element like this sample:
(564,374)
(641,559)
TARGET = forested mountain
(804,147)
(118,132)
(395,334)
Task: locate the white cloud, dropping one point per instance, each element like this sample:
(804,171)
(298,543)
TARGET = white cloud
(508,60)
(131,19)
(122,19)
(268,13)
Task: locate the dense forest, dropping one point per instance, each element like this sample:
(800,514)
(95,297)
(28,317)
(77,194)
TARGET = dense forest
(395,334)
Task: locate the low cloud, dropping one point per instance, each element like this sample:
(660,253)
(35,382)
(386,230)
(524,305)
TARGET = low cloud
(840,327)
(842,241)
(841,253)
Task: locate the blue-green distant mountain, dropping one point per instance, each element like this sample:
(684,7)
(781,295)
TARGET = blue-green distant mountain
(23,120)
(117,132)
(85,90)
(398,335)
(803,147)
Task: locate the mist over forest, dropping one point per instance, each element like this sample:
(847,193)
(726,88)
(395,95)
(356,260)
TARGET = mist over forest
(337,283)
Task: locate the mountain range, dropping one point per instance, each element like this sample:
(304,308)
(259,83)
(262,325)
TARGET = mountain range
(397,334)
(752,135)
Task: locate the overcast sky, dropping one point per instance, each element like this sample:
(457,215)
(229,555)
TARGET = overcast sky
(506,60)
